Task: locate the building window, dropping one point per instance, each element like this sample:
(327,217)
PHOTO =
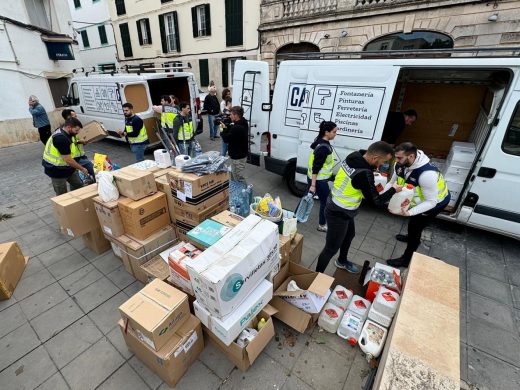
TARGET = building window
(169,32)
(120,7)
(511,143)
(143,31)
(84,38)
(234,23)
(416,40)
(37,13)
(204,72)
(103,35)
(77,4)
(125,40)
(201,21)
(228,69)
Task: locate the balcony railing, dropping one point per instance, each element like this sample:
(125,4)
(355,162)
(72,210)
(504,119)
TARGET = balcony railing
(303,8)
(361,3)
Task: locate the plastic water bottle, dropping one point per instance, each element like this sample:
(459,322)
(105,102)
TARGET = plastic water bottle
(198,149)
(304,208)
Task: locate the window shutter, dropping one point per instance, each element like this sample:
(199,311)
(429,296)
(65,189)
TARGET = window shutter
(77,3)
(120,7)
(163,34)
(225,81)
(204,72)
(148,31)
(208,19)
(103,35)
(125,40)
(139,32)
(84,38)
(234,23)
(177,37)
(194,22)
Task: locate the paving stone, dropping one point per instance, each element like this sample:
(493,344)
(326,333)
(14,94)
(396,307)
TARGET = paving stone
(7,303)
(134,288)
(89,254)
(489,372)
(34,266)
(95,294)
(121,278)
(93,366)
(295,383)
(8,235)
(26,223)
(491,311)
(451,252)
(197,377)
(28,372)
(42,240)
(80,279)
(56,254)
(16,344)
(334,342)
(56,319)
(72,341)
(107,262)
(43,300)
(464,362)
(484,264)
(516,296)
(463,323)
(358,374)
(377,248)
(513,273)
(124,378)
(55,382)
(490,288)
(215,360)
(151,379)
(67,266)
(32,284)
(107,314)
(117,340)
(10,319)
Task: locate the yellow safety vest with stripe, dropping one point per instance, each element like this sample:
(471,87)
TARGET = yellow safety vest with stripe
(326,170)
(79,151)
(343,193)
(413,178)
(167,116)
(141,137)
(185,131)
(52,155)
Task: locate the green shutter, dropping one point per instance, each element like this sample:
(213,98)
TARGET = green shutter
(77,3)
(208,19)
(148,31)
(234,23)
(139,33)
(84,38)
(225,81)
(120,7)
(163,34)
(177,37)
(125,40)
(204,72)
(103,35)
(194,22)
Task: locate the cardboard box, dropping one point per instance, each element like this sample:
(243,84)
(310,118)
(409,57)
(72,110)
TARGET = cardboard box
(75,211)
(227,272)
(227,218)
(155,313)
(202,202)
(189,185)
(116,249)
(229,327)
(12,265)
(183,284)
(195,218)
(96,241)
(180,255)
(241,357)
(164,187)
(285,248)
(109,217)
(296,250)
(182,230)
(315,290)
(92,132)
(141,218)
(207,233)
(172,361)
(156,268)
(291,315)
(413,355)
(280,277)
(135,183)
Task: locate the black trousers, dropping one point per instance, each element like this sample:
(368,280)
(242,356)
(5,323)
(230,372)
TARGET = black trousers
(340,233)
(45,133)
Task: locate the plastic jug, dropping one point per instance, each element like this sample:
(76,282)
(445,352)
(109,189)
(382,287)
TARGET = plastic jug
(386,301)
(350,328)
(181,159)
(380,180)
(304,208)
(378,317)
(162,158)
(372,339)
(330,317)
(341,297)
(359,306)
(401,200)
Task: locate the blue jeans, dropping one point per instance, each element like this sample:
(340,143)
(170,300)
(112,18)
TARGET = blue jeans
(85,162)
(212,128)
(224,149)
(322,190)
(138,151)
(185,150)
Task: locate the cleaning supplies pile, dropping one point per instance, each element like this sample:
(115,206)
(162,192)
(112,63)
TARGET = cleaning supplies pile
(205,164)
(268,207)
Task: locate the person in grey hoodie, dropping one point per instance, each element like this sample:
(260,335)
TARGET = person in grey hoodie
(40,119)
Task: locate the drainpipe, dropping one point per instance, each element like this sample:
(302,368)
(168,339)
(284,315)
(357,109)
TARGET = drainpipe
(11,44)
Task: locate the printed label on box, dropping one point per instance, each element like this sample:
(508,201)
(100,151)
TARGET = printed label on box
(181,195)
(188,189)
(145,339)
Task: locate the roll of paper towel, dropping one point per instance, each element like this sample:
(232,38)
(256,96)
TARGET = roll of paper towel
(162,158)
(181,159)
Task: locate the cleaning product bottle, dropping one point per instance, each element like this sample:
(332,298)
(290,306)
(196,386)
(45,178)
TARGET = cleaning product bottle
(372,339)
(380,180)
(304,208)
(261,324)
(401,200)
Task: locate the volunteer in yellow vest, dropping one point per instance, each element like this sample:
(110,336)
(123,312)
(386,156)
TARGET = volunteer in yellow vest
(431,196)
(58,161)
(354,182)
(319,171)
(167,110)
(183,129)
(135,132)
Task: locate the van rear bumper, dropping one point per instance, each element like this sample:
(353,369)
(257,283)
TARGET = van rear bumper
(276,165)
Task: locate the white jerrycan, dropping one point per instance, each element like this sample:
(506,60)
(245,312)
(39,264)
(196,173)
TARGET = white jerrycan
(401,200)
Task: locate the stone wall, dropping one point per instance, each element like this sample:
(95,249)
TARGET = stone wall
(21,131)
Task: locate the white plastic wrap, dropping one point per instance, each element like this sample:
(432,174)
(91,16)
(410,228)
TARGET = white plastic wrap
(107,189)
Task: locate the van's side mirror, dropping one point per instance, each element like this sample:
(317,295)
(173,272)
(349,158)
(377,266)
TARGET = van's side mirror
(65,101)
(267,107)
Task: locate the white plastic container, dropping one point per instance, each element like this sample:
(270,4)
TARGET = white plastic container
(359,306)
(162,158)
(372,339)
(341,297)
(330,317)
(181,159)
(350,328)
(386,301)
(401,200)
(381,319)
(380,180)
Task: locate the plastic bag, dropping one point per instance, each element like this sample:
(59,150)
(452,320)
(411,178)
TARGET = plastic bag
(107,189)
(102,162)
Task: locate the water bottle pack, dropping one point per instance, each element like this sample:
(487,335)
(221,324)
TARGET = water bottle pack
(304,208)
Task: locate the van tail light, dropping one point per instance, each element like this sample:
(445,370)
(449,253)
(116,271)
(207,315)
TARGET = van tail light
(268,146)
(197,104)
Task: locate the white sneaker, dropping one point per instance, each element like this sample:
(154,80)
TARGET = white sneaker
(322,228)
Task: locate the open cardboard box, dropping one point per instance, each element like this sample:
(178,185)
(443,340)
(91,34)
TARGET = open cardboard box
(314,282)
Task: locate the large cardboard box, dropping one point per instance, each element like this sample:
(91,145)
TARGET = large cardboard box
(227,272)
(95,240)
(75,211)
(194,218)
(203,201)
(228,218)
(290,314)
(189,185)
(182,230)
(164,186)
(229,327)
(92,132)
(422,349)
(109,217)
(141,218)
(155,313)
(296,250)
(135,183)
(285,249)
(12,265)
(244,357)
(172,361)
(156,268)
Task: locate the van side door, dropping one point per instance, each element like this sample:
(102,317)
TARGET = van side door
(137,93)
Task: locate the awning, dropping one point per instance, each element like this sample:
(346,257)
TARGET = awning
(62,39)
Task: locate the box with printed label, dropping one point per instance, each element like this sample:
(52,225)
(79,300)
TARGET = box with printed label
(155,313)
(156,268)
(172,361)
(228,271)
(197,217)
(189,185)
(135,183)
(203,201)
(244,357)
(229,327)
(75,211)
(180,255)
(228,218)
(207,233)
(109,217)
(92,132)
(12,265)
(164,187)
(95,240)
(143,217)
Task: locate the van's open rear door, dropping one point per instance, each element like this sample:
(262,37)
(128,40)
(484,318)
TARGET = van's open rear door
(138,94)
(251,91)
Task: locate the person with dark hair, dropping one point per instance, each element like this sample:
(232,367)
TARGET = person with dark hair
(212,106)
(58,162)
(236,135)
(167,110)
(182,129)
(226,111)
(40,119)
(226,93)
(135,132)
(80,155)
(431,196)
(396,123)
(321,164)
(353,183)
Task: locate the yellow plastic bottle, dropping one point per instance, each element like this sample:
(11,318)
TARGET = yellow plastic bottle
(261,324)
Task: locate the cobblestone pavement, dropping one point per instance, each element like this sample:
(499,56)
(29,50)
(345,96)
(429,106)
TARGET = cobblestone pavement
(59,330)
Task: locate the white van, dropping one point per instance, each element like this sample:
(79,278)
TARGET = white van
(474,100)
(100,96)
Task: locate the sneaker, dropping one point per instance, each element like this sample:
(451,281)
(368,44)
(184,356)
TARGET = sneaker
(399,262)
(349,267)
(402,237)
(322,228)
(316,197)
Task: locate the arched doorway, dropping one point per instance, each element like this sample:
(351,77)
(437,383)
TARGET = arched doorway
(303,47)
(416,40)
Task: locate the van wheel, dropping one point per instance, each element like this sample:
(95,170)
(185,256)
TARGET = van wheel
(296,188)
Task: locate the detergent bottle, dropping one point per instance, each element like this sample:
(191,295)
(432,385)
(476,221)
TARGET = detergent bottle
(401,200)
(380,180)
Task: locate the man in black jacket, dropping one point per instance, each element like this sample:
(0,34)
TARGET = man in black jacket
(212,106)
(353,183)
(236,135)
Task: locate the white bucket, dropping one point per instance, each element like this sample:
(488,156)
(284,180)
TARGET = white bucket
(359,306)
(350,327)
(372,339)
(386,301)
(330,317)
(181,159)
(162,158)
(341,297)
